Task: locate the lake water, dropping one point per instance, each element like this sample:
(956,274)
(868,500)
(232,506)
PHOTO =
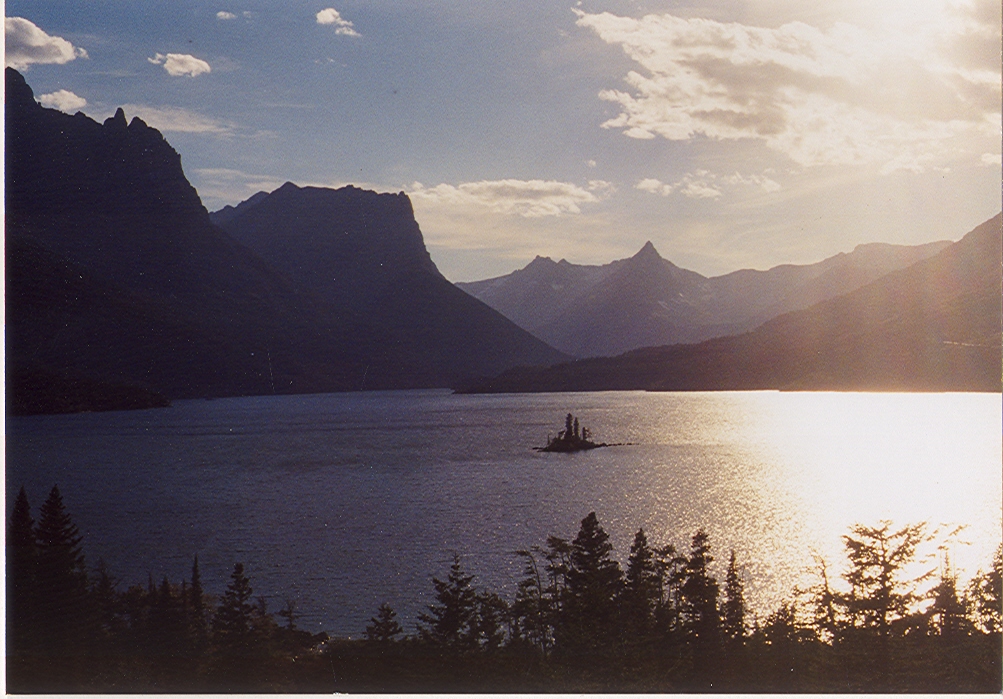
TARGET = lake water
(343,501)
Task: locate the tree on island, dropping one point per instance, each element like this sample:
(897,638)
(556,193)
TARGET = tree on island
(573,437)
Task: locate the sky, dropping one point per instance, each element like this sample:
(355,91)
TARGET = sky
(730,133)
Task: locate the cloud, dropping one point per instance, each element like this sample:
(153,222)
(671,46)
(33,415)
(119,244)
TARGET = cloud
(178,64)
(904,97)
(218,187)
(333,17)
(179,120)
(224,15)
(704,184)
(992,159)
(527,198)
(63,100)
(26,44)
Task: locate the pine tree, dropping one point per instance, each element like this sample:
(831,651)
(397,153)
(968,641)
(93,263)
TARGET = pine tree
(450,624)
(877,556)
(199,631)
(533,608)
(21,584)
(986,595)
(948,612)
(699,593)
(61,580)
(232,625)
(590,616)
(383,628)
(642,593)
(733,611)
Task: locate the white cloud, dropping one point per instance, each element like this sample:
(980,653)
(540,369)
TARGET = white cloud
(63,100)
(704,184)
(910,96)
(224,15)
(527,198)
(992,159)
(333,17)
(26,44)
(178,64)
(178,120)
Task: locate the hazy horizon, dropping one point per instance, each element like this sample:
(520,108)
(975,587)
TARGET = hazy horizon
(730,134)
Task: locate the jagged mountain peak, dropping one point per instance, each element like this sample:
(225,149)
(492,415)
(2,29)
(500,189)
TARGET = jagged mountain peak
(118,121)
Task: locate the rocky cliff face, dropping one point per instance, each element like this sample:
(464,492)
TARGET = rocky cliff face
(364,252)
(115,273)
(119,284)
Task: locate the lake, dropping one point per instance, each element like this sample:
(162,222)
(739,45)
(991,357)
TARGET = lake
(343,501)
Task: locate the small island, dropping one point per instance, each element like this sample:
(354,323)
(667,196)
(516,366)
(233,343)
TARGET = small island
(571,438)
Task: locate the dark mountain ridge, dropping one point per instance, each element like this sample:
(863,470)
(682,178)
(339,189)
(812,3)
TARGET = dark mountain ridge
(934,326)
(117,278)
(645,300)
(364,251)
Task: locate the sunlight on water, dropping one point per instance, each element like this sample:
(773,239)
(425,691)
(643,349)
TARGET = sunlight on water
(343,501)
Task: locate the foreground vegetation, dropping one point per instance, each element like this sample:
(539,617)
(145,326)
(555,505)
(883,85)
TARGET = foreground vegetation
(578,622)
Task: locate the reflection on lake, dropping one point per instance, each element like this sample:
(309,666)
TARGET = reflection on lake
(343,501)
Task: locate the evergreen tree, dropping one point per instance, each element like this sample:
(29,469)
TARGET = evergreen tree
(877,557)
(699,593)
(733,611)
(490,621)
(986,595)
(642,592)
(232,624)
(671,570)
(383,628)
(196,607)
(61,580)
(589,619)
(948,612)
(532,610)
(451,624)
(21,584)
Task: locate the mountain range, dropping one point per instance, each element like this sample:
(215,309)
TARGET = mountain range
(645,300)
(119,285)
(123,291)
(935,325)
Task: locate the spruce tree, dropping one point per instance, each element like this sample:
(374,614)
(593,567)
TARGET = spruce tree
(879,596)
(199,626)
(642,592)
(232,625)
(590,616)
(986,596)
(699,592)
(383,628)
(451,624)
(21,584)
(733,611)
(61,580)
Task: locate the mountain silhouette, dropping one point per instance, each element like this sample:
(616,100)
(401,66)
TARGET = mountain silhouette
(934,326)
(364,252)
(117,281)
(645,300)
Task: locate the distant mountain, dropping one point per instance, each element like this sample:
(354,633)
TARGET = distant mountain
(117,281)
(364,252)
(646,300)
(935,325)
